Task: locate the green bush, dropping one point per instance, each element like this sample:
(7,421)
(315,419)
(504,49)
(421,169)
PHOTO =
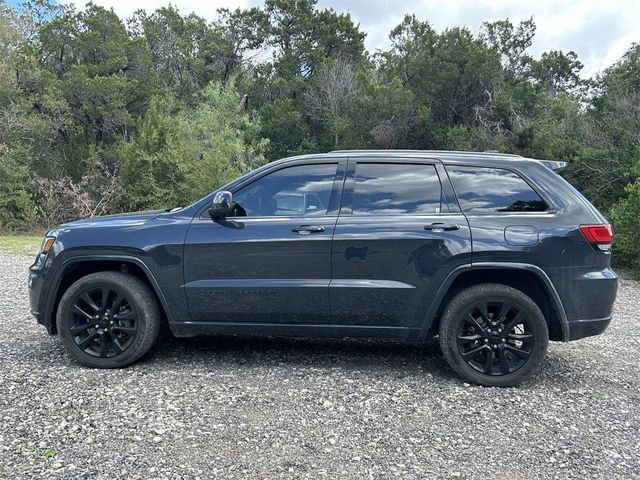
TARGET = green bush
(179,156)
(625,216)
(17,210)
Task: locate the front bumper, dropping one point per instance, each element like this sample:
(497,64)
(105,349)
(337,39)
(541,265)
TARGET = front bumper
(588,327)
(38,297)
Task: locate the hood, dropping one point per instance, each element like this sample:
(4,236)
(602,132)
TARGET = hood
(122,219)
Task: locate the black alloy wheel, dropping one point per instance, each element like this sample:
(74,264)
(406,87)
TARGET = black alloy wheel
(104,322)
(493,335)
(108,319)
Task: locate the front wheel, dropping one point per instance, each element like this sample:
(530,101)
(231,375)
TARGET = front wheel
(108,320)
(493,335)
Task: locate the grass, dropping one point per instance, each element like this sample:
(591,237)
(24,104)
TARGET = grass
(48,453)
(20,244)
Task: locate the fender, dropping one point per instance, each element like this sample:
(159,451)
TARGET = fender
(57,279)
(455,273)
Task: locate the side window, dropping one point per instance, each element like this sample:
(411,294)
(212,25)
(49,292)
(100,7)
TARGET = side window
(303,190)
(490,190)
(396,189)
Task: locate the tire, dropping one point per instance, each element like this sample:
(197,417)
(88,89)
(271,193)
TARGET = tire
(108,308)
(493,335)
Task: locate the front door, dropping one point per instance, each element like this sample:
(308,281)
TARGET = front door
(274,264)
(399,233)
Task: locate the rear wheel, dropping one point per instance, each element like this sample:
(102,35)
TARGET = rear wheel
(493,335)
(108,320)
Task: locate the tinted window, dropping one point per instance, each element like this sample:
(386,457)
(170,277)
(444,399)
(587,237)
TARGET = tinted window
(491,190)
(303,190)
(396,189)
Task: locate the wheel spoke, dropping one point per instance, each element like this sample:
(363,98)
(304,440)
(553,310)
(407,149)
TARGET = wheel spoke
(77,309)
(473,352)
(524,355)
(117,303)
(523,337)
(484,310)
(474,322)
(513,322)
(463,339)
(504,309)
(125,316)
(123,329)
(87,341)
(504,364)
(104,345)
(116,343)
(80,328)
(89,301)
(488,362)
(104,295)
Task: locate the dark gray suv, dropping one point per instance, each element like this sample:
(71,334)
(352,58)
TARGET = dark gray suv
(494,254)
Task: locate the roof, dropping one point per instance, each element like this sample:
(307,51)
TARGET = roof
(448,156)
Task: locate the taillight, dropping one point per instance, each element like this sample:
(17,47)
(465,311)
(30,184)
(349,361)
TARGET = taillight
(600,236)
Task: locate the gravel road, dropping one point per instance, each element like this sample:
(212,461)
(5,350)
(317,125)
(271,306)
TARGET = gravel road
(226,407)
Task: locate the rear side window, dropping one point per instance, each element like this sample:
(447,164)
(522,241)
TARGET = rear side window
(396,189)
(493,190)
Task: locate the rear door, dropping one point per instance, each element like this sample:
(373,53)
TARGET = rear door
(398,235)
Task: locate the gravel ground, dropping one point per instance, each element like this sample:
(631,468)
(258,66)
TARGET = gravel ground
(231,407)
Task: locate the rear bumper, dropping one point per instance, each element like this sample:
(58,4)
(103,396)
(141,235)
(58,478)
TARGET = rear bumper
(587,296)
(587,328)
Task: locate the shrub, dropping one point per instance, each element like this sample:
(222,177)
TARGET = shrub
(625,216)
(62,199)
(17,210)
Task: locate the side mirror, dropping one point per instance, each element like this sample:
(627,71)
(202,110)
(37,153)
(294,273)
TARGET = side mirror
(222,205)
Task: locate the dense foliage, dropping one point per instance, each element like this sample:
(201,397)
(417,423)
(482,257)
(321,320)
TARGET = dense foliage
(101,114)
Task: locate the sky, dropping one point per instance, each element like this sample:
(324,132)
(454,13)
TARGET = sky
(599,31)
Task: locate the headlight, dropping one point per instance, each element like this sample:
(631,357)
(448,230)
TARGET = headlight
(45,247)
(47,244)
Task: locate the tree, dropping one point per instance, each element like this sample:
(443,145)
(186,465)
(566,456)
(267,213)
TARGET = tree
(233,37)
(17,210)
(612,141)
(509,41)
(556,72)
(304,36)
(176,44)
(449,74)
(218,141)
(624,215)
(331,96)
(178,156)
(164,107)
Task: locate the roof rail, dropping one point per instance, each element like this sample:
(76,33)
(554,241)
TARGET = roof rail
(488,153)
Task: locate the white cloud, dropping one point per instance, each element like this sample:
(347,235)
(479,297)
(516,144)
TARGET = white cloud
(619,47)
(598,31)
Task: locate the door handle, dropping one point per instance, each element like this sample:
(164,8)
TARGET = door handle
(442,227)
(307,229)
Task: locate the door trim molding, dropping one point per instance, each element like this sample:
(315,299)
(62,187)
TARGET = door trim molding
(367,283)
(257,283)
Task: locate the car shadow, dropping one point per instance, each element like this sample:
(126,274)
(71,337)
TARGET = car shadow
(344,353)
(246,353)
